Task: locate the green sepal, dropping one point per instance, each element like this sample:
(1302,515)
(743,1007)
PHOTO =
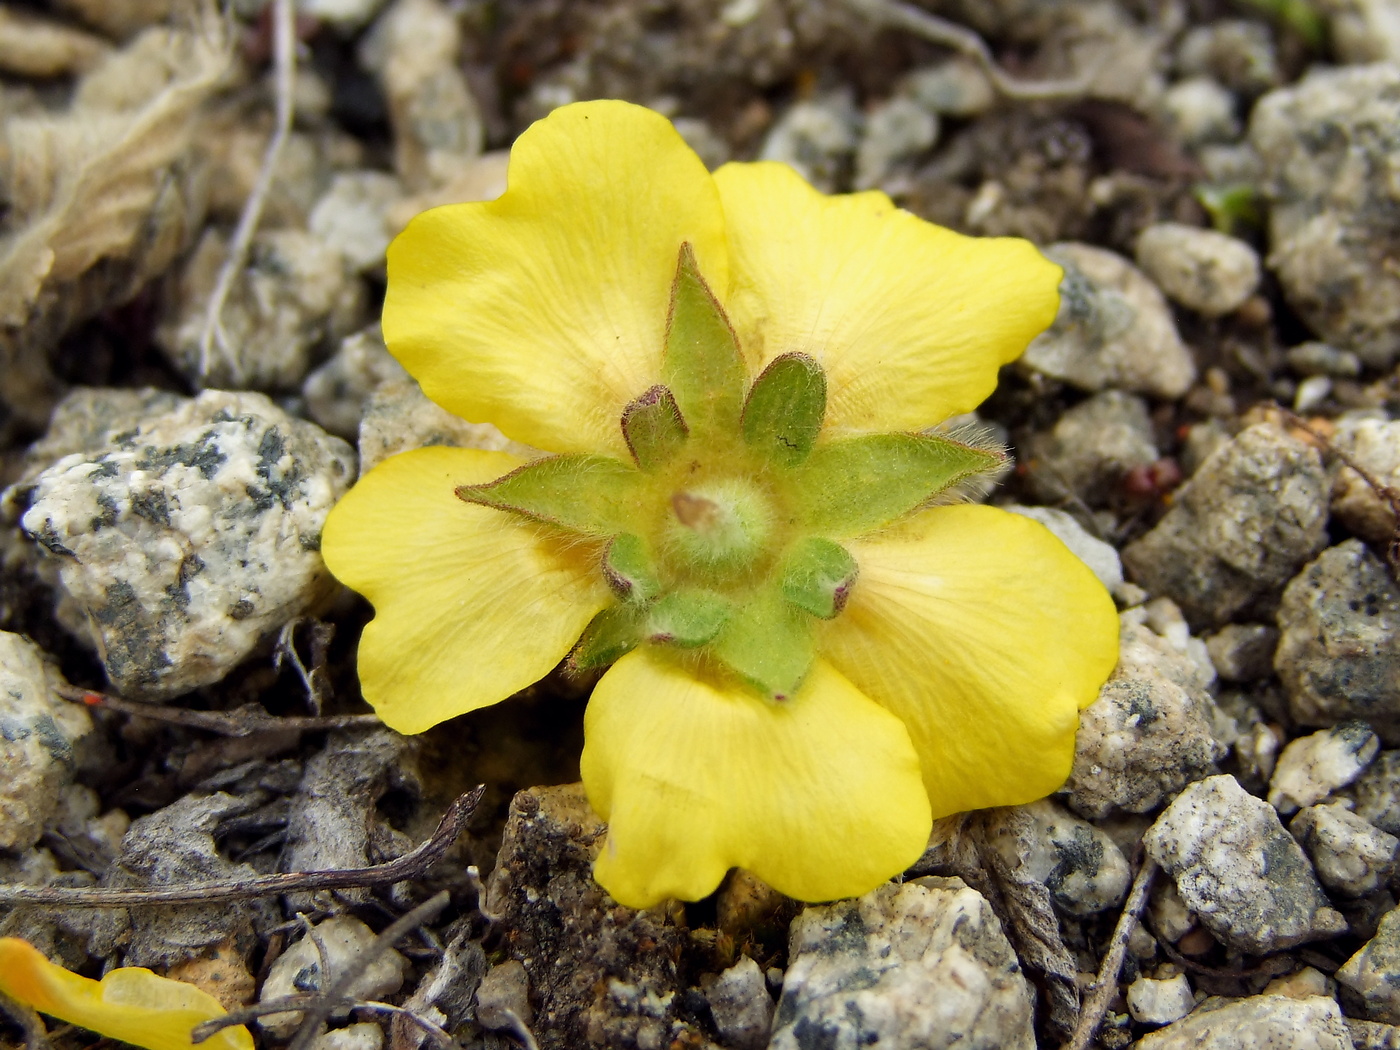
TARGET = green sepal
(653,428)
(853,486)
(628,568)
(769,644)
(702,365)
(817,576)
(785,407)
(594,495)
(609,636)
(687,618)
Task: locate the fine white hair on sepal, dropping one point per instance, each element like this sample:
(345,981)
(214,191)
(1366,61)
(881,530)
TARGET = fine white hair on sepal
(985,437)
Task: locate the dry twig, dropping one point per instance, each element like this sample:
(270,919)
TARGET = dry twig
(411,865)
(284,75)
(1106,983)
(899,15)
(245,721)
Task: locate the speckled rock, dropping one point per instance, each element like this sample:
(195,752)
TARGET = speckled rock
(1376,793)
(37,732)
(896,133)
(1362,30)
(1147,734)
(1199,110)
(1375,445)
(298,969)
(1312,767)
(1101,557)
(1351,856)
(818,138)
(1259,1022)
(1114,329)
(1090,448)
(920,964)
(413,50)
(1328,144)
(1373,973)
(601,975)
(1160,1001)
(191,536)
(398,416)
(296,294)
(1339,647)
(1243,652)
(740,1004)
(1236,867)
(1239,529)
(335,394)
(1238,53)
(1081,866)
(350,216)
(1201,269)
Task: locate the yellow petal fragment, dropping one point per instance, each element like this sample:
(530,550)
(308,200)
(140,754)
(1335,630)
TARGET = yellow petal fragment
(471,604)
(131,1003)
(819,796)
(544,311)
(910,320)
(986,636)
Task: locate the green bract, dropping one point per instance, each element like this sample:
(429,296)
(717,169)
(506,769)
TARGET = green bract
(723,532)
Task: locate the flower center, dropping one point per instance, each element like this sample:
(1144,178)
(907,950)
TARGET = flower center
(718,529)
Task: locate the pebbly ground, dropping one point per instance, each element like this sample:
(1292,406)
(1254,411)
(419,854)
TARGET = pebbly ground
(1220,181)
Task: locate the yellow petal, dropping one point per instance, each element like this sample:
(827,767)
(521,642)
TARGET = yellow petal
(986,636)
(911,321)
(131,1003)
(819,795)
(471,604)
(544,311)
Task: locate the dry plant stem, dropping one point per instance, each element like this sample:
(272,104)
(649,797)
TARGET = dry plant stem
(409,866)
(316,1015)
(225,724)
(284,70)
(519,1029)
(35,1037)
(1106,983)
(911,19)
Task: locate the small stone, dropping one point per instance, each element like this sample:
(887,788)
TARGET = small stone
(1198,110)
(955,87)
(1090,449)
(1302,984)
(1328,143)
(349,217)
(413,50)
(1101,557)
(1148,733)
(363,1036)
(1160,1002)
(920,964)
(1244,523)
(1243,652)
(1081,866)
(335,394)
(740,1004)
(191,536)
(1236,867)
(1312,767)
(1377,793)
(896,133)
(221,972)
(38,730)
(817,138)
(1373,973)
(503,997)
(1351,856)
(343,14)
(1374,444)
(1339,647)
(1114,329)
(1360,31)
(1201,269)
(295,294)
(1168,913)
(1322,359)
(1311,392)
(1238,53)
(1372,1035)
(398,416)
(298,969)
(1259,1022)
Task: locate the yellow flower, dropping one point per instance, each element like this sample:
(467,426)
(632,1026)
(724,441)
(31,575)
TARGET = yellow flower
(131,1003)
(731,370)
